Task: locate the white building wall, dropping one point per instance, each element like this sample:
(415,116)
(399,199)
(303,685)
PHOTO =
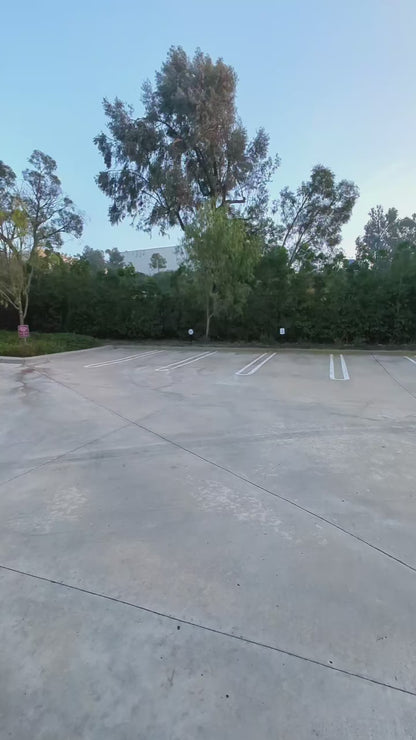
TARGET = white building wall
(140,258)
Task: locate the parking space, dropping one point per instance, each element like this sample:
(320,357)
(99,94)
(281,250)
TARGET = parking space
(200,542)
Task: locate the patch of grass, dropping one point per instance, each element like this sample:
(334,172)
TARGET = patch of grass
(42,344)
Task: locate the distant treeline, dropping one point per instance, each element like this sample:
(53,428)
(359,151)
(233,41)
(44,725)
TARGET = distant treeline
(340,301)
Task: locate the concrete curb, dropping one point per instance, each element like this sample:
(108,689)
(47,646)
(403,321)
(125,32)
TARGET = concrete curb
(23,360)
(12,360)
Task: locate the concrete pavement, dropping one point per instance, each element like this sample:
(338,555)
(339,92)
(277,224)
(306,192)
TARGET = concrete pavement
(194,551)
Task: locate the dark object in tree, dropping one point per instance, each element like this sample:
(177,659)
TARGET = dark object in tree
(33,219)
(312,216)
(188,147)
(157,262)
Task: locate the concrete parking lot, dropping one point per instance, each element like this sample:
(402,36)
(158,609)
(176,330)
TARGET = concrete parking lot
(208,544)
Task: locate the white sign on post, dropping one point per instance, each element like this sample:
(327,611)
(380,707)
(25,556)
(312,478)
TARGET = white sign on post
(191,332)
(282,331)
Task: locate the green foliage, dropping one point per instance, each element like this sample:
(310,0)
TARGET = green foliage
(339,301)
(50,213)
(33,219)
(157,262)
(221,256)
(76,297)
(268,303)
(42,344)
(94,257)
(188,147)
(114,259)
(312,216)
(384,232)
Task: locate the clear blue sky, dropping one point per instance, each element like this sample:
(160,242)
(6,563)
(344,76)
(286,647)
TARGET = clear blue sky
(332,82)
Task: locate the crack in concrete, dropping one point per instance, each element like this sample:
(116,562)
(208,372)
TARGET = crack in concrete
(197,625)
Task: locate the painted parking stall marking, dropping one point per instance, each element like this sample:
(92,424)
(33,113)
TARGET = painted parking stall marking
(255,364)
(410,360)
(124,359)
(183,363)
(344,369)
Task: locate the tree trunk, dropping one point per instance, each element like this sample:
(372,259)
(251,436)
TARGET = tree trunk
(26,294)
(208,318)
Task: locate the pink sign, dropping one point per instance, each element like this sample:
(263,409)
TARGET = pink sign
(23,331)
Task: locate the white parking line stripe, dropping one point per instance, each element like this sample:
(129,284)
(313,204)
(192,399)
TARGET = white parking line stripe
(182,363)
(124,359)
(258,366)
(344,368)
(410,360)
(256,359)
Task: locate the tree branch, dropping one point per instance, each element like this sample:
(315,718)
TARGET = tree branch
(297,214)
(8,298)
(181,223)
